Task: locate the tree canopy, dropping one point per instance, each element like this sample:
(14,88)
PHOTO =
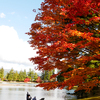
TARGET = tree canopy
(67,36)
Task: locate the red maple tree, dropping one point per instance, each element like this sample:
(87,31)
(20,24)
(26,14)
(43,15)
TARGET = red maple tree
(27,80)
(67,36)
(38,80)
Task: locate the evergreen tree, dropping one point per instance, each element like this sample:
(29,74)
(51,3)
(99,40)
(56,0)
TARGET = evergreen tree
(15,77)
(42,75)
(21,76)
(11,75)
(24,73)
(31,74)
(2,73)
(35,76)
(49,75)
(46,75)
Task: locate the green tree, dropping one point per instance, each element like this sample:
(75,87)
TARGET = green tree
(42,75)
(2,73)
(21,76)
(11,75)
(30,74)
(35,76)
(15,77)
(50,73)
(46,75)
(25,73)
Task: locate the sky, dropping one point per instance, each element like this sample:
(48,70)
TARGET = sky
(16,17)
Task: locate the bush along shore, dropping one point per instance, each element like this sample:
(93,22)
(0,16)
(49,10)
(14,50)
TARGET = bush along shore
(94,94)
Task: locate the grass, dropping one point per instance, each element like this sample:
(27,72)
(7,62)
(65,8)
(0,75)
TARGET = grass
(91,98)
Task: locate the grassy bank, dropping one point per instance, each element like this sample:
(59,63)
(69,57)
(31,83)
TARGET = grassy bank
(91,98)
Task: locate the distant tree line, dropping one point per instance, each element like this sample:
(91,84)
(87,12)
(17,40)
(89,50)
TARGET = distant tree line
(20,76)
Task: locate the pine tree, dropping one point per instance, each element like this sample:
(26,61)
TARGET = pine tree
(11,75)
(35,76)
(15,76)
(21,77)
(31,74)
(2,73)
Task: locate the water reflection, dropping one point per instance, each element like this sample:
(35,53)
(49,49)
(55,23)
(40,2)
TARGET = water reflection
(19,93)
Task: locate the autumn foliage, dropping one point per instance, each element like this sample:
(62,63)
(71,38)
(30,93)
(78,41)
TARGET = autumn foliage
(38,80)
(27,80)
(67,36)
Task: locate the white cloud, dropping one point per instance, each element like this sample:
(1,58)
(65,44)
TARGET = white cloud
(14,52)
(2,15)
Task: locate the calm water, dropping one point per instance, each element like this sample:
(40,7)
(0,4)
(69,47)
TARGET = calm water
(19,93)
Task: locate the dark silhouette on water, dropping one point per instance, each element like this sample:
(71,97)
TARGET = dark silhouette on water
(28,97)
(34,98)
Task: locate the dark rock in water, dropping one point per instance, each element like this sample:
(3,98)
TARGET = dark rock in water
(70,93)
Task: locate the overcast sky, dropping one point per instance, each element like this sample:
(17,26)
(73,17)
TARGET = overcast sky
(16,17)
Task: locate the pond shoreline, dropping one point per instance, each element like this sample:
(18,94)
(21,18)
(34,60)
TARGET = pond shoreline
(15,83)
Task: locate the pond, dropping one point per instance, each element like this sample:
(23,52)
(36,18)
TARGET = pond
(18,91)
